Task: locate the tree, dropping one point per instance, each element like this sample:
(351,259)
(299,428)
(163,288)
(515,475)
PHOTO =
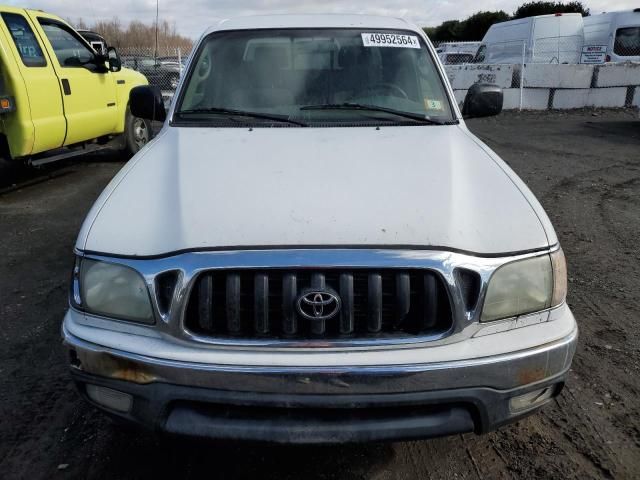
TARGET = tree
(449,30)
(138,35)
(430,31)
(476,25)
(473,28)
(80,24)
(531,9)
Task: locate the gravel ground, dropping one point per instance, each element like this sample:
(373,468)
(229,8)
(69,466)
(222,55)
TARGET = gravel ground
(584,167)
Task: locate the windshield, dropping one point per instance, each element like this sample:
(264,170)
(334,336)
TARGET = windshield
(480,54)
(314,77)
(459,58)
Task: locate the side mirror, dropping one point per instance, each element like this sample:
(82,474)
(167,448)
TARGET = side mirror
(115,64)
(482,100)
(146,102)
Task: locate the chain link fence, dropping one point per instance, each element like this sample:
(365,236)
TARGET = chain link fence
(566,50)
(162,67)
(543,63)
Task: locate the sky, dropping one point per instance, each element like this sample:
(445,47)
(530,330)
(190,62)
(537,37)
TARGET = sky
(192,17)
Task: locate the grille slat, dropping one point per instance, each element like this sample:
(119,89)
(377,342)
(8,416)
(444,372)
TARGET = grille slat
(248,304)
(318,327)
(289,294)
(261,303)
(430,300)
(374,309)
(205,302)
(346,295)
(233,301)
(403,297)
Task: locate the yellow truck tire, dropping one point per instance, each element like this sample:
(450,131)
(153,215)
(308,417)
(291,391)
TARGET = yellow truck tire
(137,133)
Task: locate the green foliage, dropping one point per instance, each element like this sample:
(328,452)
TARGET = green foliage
(473,28)
(477,24)
(531,9)
(430,31)
(450,30)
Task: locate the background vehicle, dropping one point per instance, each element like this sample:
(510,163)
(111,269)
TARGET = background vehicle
(174,61)
(164,75)
(546,39)
(456,58)
(619,31)
(58,92)
(96,40)
(458,47)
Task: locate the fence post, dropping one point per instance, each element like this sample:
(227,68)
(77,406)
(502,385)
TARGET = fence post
(524,52)
(180,59)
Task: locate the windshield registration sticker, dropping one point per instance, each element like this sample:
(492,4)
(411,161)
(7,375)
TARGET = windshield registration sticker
(390,40)
(432,104)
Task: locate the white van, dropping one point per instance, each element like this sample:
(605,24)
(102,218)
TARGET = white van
(456,58)
(618,31)
(458,47)
(554,38)
(455,53)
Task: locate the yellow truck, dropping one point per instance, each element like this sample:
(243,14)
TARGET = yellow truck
(58,96)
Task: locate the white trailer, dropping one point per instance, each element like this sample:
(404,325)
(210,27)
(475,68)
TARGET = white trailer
(619,32)
(556,38)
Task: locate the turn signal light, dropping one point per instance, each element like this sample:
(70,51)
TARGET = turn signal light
(6,105)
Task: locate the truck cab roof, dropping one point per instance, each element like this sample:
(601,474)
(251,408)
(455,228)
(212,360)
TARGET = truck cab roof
(312,21)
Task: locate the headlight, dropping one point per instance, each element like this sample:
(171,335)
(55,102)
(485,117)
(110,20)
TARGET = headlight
(526,286)
(114,291)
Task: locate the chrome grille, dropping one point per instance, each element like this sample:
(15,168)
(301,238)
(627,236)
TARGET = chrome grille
(251,304)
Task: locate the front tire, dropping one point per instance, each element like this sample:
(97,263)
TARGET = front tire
(137,133)
(173,82)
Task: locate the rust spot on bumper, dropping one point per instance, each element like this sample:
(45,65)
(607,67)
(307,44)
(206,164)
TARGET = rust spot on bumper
(531,375)
(106,365)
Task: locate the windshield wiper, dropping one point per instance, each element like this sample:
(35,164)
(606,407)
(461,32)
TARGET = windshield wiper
(376,108)
(241,113)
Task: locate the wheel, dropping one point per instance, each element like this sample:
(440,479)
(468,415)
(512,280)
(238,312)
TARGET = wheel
(173,82)
(137,133)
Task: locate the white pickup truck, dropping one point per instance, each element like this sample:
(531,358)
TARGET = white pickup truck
(316,249)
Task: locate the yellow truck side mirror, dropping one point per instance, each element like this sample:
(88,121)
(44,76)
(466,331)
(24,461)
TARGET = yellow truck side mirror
(115,63)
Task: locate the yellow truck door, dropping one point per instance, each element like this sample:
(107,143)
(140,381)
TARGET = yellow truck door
(38,123)
(88,89)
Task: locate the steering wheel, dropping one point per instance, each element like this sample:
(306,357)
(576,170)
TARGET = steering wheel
(390,87)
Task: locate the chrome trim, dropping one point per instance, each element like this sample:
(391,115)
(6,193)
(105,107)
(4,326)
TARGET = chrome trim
(504,371)
(190,264)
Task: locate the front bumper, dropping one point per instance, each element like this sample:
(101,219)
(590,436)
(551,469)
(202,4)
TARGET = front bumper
(329,403)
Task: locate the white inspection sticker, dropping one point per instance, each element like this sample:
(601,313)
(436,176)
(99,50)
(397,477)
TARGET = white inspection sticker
(390,40)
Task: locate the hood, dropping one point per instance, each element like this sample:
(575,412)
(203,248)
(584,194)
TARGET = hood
(199,188)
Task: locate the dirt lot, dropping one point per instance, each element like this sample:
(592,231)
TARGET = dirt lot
(585,169)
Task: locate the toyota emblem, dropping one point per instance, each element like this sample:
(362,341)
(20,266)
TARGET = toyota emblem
(318,304)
